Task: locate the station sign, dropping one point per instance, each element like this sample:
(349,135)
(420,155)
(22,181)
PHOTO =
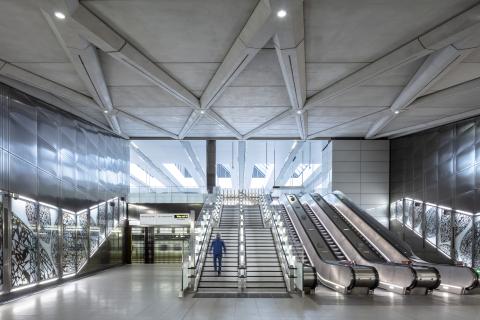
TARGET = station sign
(156,219)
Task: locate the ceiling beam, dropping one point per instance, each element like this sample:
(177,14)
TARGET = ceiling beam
(162,175)
(268,123)
(192,119)
(146,123)
(456,31)
(192,156)
(223,123)
(85,60)
(53,100)
(259,28)
(96,31)
(435,67)
(302,124)
(290,48)
(319,134)
(242,150)
(472,86)
(13,72)
(286,170)
(431,124)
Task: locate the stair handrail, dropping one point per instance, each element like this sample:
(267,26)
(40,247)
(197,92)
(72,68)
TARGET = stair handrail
(282,242)
(215,202)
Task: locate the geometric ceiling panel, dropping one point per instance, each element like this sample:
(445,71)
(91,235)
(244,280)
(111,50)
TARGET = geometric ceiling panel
(177,31)
(245,119)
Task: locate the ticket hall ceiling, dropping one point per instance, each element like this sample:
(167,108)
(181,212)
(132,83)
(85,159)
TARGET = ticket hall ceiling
(248,69)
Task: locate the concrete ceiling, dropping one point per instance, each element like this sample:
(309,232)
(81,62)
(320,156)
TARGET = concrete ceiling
(233,69)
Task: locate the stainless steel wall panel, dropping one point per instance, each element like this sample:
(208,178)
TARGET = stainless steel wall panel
(23,130)
(47,157)
(450,172)
(22,177)
(48,188)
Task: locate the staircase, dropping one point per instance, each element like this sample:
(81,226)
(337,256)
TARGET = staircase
(325,235)
(264,273)
(228,281)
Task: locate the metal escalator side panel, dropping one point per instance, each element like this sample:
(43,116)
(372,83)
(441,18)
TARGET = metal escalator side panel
(334,276)
(361,245)
(395,242)
(371,235)
(455,279)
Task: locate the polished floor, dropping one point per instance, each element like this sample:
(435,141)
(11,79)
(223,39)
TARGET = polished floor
(151,292)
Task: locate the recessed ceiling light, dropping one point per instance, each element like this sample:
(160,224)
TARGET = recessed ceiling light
(105,111)
(202,111)
(299,111)
(281,13)
(397,112)
(59,15)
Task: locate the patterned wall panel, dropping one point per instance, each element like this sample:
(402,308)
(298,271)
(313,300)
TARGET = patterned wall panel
(49,241)
(69,259)
(94,230)
(60,160)
(24,242)
(82,238)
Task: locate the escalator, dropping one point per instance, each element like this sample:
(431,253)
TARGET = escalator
(394,276)
(455,279)
(333,268)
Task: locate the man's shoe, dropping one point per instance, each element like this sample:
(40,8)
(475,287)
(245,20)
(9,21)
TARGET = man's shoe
(219,273)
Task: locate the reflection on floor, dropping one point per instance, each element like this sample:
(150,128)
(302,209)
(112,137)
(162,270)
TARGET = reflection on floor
(143,292)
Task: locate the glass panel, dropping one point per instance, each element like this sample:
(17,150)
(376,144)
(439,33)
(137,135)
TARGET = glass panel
(94,230)
(69,242)
(463,238)
(400,210)
(408,213)
(431,224)
(49,239)
(82,238)
(445,231)
(109,217)
(418,218)
(102,220)
(393,210)
(1,242)
(24,242)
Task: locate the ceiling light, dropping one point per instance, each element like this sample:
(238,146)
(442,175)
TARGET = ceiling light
(202,111)
(105,111)
(59,15)
(397,112)
(281,13)
(299,111)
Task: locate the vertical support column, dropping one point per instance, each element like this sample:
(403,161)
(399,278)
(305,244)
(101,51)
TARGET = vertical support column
(7,243)
(211,164)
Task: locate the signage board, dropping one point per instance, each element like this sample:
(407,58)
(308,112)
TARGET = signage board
(155,219)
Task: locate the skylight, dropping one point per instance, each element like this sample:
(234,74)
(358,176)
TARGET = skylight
(301,174)
(260,175)
(187,182)
(144,177)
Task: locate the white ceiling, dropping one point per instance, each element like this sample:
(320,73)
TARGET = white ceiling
(191,42)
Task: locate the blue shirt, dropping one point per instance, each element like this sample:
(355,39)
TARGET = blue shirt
(217,246)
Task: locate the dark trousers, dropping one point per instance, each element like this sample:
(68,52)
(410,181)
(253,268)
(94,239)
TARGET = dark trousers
(217,258)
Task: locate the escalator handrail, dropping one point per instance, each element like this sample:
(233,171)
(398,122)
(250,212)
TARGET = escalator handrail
(386,234)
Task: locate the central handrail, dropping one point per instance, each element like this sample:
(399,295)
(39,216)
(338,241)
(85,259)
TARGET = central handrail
(288,266)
